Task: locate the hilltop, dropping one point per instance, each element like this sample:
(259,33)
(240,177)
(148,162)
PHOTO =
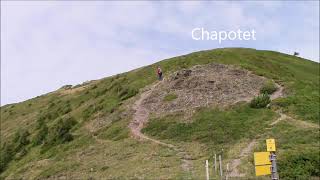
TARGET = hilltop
(133,126)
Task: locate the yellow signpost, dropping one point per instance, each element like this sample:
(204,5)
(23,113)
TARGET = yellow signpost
(261,158)
(262,163)
(265,162)
(271,145)
(263,170)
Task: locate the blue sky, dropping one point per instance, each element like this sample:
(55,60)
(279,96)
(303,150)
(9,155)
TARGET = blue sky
(45,45)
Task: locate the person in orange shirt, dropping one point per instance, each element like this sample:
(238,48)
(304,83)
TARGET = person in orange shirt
(159,72)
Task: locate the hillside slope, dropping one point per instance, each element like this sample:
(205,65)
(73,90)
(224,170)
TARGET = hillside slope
(83,131)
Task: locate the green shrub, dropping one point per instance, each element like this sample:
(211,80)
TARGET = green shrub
(14,149)
(21,139)
(260,101)
(89,111)
(41,135)
(6,154)
(60,132)
(170,97)
(300,165)
(64,108)
(126,93)
(268,88)
(40,122)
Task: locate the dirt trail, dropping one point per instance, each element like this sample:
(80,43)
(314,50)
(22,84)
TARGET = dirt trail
(140,118)
(249,148)
(296,122)
(279,92)
(236,162)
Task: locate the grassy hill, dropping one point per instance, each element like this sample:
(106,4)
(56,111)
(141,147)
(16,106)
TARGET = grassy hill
(82,131)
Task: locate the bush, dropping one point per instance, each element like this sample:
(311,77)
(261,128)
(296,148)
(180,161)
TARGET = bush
(60,132)
(300,165)
(64,109)
(268,88)
(21,139)
(14,149)
(126,93)
(260,101)
(40,122)
(41,135)
(89,111)
(6,155)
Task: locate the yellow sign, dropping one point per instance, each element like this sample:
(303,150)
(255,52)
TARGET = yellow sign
(271,145)
(263,170)
(261,158)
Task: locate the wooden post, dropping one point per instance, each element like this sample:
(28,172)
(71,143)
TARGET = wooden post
(207,169)
(215,163)
(220,163)
(227,172)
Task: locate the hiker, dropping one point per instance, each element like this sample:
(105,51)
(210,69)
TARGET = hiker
(159,72)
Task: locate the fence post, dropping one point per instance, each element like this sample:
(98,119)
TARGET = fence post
(215,164)
(227,171)
(207,169)
(220,163)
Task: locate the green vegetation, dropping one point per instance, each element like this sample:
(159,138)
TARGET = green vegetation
(300,165)
(58,126)
(14,149)
(41,135)
(115,132)
(298,150)
(268,88)
(60,132)
(260,101)
(216,128)
(170,97)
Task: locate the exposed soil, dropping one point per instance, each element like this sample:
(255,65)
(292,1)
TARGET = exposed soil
(236,162)
(203,85)
(140,118)
(212,84)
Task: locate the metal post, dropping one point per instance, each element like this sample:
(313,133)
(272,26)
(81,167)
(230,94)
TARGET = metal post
(220,163)
(207,169)
(274,173)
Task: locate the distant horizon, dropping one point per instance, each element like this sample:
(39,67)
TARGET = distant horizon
(48,44)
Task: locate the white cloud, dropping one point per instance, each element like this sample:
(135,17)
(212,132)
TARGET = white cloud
(48,44)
